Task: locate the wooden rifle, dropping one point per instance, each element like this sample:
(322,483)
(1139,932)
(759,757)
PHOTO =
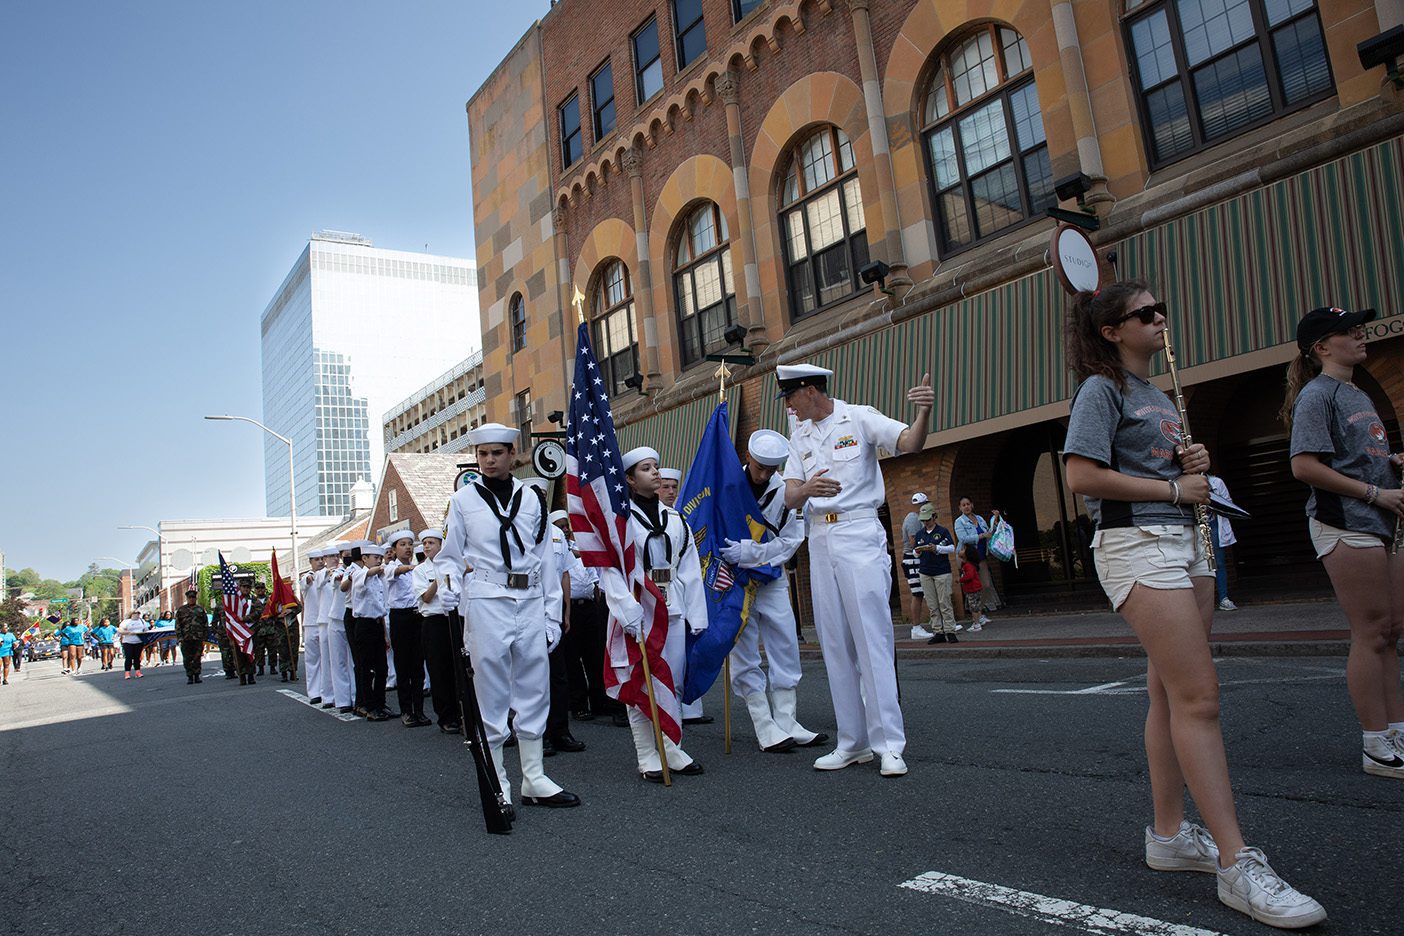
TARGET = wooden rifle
(497,813)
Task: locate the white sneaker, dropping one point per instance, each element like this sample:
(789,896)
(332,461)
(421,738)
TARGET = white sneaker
(1396,738)
(837,760)
(984,620)
(1250,886)
(920,633)
(1383,759)
(976,627)
(893,766)
(1192,849)
(960,627)
(1227,605)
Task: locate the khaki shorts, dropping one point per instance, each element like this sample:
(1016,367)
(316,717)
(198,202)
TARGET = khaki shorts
(1155,556)
(1325,538)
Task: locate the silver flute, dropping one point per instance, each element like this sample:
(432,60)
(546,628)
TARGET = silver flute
(1201,512)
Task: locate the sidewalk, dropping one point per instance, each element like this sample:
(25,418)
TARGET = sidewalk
(1299,628)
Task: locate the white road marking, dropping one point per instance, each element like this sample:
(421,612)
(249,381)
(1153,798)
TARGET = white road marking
(1120,688)
(1050,910)
(339,716)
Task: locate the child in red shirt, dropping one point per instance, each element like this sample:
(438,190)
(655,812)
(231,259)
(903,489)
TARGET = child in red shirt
(971,587)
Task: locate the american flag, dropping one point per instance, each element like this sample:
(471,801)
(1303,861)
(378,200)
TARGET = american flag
(598,499)
(236,610)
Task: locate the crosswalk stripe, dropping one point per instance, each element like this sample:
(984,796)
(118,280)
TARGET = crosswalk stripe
(339,716)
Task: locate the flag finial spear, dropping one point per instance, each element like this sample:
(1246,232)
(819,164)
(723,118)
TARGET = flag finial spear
(577,299)
(722,374)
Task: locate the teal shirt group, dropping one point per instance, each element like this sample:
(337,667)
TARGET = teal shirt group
(7,644)
(71,636)
(104,633)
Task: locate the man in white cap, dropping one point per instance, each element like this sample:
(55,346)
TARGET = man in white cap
(772,618)
(406,629)
(832,473)
(663,542)
(911,526)
(433,592)
(335,613)
(670,484)
(321,587)
(366,587)
(496,535)
(312,627)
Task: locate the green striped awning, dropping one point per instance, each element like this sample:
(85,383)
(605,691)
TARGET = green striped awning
(677,432)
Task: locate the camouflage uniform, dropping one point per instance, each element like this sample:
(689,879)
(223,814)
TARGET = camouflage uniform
(226,646)
(190,628)
(289,637)
(261,632)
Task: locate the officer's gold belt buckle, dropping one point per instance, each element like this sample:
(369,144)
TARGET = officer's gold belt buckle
(518,580)
(831,518)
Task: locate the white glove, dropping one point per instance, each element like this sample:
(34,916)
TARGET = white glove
(553,634)
(733,551)
(946,550)
(634,627)
(746,553)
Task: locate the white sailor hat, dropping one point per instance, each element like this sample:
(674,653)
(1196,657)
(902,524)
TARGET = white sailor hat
(493,432)
(670,474)
(372,550)
(431,533)
(558,515)
(636,455)
(768,447)
(793,376)
(325,551)
(398,535)
(919,498)
(362,543)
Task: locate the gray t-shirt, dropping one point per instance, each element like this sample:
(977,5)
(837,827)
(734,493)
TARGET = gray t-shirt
(1338,422)
(1134,432)
(911,526)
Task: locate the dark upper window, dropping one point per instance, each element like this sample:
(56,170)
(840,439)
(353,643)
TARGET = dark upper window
(602,100)
(570,131)
(741,8)
(1208,69)
(518,318)
(822,222)
(706,294)
(690,31)
(522,411)
(612,327)
(648,62)
(986,153)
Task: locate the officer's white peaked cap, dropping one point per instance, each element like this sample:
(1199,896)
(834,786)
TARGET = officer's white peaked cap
(558,515)
(398,535)
(768,447)
(372,550)
(794,376)
(489,433)
(636,455)
(670,474)
(431,533)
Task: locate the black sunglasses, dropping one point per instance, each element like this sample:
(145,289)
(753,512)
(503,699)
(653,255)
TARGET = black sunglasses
(1146,314)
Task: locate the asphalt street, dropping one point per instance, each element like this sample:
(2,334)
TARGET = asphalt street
(154,807)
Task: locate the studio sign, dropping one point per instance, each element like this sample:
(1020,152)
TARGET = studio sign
(1075,260)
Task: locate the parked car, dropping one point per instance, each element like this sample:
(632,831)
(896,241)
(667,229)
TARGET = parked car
(43,648)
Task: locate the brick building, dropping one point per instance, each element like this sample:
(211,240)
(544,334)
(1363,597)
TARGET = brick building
(711,175)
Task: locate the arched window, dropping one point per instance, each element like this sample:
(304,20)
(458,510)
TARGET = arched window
(706,295)
(518,319)
(612,326)
(1208,69)
(986,152)
(822,223)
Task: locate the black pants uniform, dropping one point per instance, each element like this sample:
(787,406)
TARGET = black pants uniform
(407,640)
(370,663)
(436,638)
(350,621)
(191,651)
(584,650)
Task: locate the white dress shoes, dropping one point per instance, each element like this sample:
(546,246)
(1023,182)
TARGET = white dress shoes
(837,760)
(893,766)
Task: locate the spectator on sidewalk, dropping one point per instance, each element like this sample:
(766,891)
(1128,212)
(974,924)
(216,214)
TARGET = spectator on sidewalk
(1222,532)
(973,588)
(972,530)
(911,526)
(934,547)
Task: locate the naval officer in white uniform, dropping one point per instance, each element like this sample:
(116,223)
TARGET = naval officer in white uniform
(832,473)
(511,600)
(772,618)
(312,628)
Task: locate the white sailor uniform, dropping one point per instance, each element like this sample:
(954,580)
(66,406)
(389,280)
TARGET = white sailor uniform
(333,613)
(311,633)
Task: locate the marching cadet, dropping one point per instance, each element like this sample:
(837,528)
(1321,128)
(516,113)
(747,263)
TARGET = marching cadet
(365,586)
(429,590)
(772,618)
(322,586)
(336,614)
(663,541)
(287,645)
(832,473)
(406,629)
(226,646)
(263,631)
(496,537)
(190,627)
(312,627)
(669,485)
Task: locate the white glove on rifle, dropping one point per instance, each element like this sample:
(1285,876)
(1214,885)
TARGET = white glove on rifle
(553,634)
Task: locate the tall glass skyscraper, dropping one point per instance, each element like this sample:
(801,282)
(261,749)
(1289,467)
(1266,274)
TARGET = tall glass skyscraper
(352,330)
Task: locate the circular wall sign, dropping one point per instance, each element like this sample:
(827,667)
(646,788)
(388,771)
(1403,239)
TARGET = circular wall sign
(465,477)
(1075,260)
(549,459)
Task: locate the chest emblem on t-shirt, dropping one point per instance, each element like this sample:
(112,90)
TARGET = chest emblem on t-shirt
(845,442)
(1171,430)
(1377,433)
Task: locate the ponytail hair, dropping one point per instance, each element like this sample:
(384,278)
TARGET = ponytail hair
(1303,369)
(1088,353)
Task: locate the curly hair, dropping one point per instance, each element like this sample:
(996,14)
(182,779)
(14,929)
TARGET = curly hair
(1087,351)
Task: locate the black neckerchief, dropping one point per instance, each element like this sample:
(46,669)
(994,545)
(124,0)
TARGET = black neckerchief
(765,501)
(491,494)
(757,489)
(502,487)
(654,517)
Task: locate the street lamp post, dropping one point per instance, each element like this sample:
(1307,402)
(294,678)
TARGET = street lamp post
(160,560)
(292,492)
(131,576)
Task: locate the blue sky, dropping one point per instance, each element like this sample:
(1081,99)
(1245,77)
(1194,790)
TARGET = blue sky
(162,166)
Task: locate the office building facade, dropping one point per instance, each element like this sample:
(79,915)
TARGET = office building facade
(436,417)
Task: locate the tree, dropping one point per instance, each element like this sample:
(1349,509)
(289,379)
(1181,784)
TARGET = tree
(12,613)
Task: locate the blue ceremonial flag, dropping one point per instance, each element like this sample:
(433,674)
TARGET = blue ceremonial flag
(717,503)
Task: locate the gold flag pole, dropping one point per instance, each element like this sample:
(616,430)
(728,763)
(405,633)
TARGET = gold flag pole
(653,710)
(722,373)
(577,299)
